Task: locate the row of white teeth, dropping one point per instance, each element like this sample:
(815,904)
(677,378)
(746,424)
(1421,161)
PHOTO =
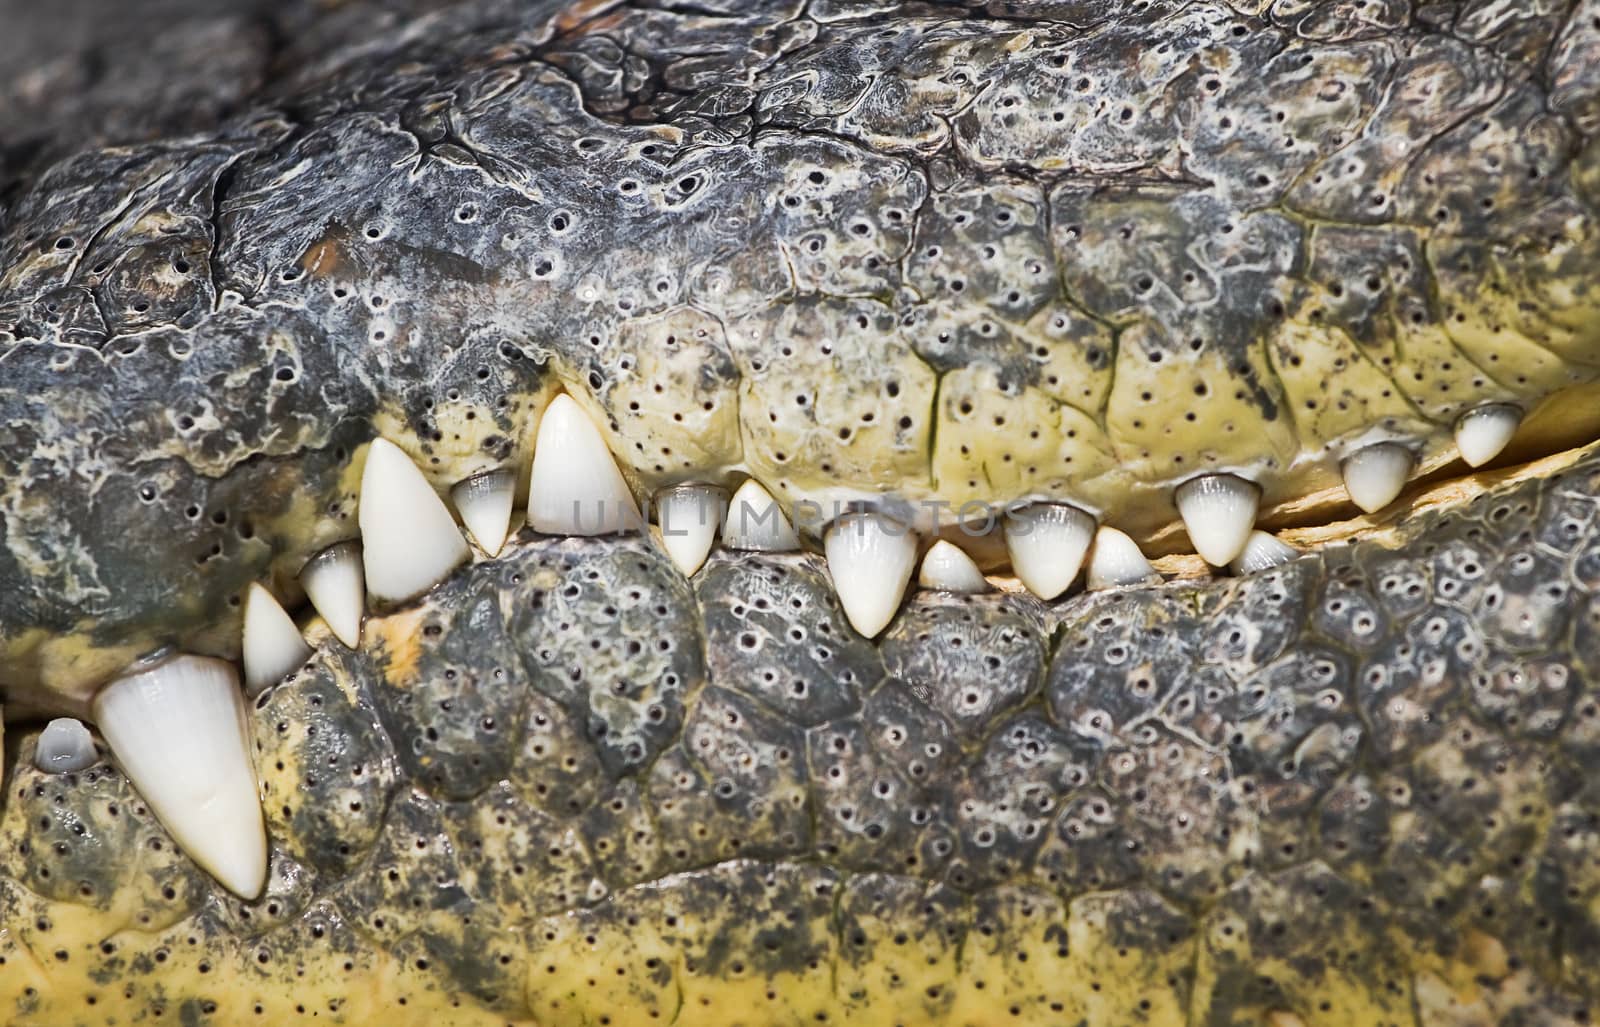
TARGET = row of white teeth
(176,713)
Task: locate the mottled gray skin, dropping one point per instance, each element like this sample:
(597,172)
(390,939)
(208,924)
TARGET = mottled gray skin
(1390,748)
(1110,216)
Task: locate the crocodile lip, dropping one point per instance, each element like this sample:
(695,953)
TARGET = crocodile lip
(620,773)
(1267,709)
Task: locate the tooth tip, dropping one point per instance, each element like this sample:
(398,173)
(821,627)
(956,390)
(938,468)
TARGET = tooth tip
(1218,510)
(1117,560)
(1375,476)
(756,522)
(334,582)
(870,559)
(575,487)
(272,645)
(178,729)
(485,502)
(1048,543)
(409,541)
(688,517)
(1262,551)
(1482,434)
(947,568)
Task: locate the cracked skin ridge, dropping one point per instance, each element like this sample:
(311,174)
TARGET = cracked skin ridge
(1353,790)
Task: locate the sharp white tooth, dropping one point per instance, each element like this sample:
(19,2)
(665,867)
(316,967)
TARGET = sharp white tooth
(576,488)
(409,541)
(485,501)
(1047,543)
(1375,475)
(1482,433)
(947,568)
(1218,510)
(177,726)
(1262,552)
(272,644)
(335,584)
(1117,560)
(756,522)
(65,747)
(689,516)
(870,558)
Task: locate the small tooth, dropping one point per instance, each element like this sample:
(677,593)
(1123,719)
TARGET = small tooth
(334,583)
(947,568)
(272,644)
(1375,475)
(1047,543)
(870,558)
(1218,510)
(1482,433)
(756,522)
(178,729)
(485,501)
(1262,552)
(65,747)
(576,488)
(1117,560)
(689,516)
(409,541)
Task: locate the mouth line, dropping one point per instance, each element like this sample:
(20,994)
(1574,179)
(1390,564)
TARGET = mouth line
(408,775)
(491,490)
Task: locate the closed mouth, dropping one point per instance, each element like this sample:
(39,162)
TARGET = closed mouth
(960,519)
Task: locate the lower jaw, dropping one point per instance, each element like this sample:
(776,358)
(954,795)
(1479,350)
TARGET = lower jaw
(1353,789)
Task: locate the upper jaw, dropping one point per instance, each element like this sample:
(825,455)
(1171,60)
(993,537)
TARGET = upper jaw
(199,337)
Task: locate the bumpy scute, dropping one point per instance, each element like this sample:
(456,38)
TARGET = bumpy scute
(917,253)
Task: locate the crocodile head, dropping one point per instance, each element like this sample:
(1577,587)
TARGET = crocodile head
(1125,292)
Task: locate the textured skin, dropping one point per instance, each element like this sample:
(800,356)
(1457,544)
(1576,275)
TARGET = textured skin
(923,251)
(569,785)
(903,254)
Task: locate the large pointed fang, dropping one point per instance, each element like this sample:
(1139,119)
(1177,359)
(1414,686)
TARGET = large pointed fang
(689,516)
(575,488)
(409,541)
(1483,433)
(178,729)
(870,558)
(1218,510)
(1374,476)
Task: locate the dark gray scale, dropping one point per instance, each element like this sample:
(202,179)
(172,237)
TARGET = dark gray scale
(1119,655)
(735,786)
(327,767)
(775,631)
(971,658)
(1005,799)
(70,835)
(454,693)
(622,837)
(870,815)
(1302,937)
(607,629)
(414,874)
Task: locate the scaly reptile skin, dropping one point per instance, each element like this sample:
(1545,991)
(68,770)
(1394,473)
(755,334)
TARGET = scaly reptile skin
(882,252)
